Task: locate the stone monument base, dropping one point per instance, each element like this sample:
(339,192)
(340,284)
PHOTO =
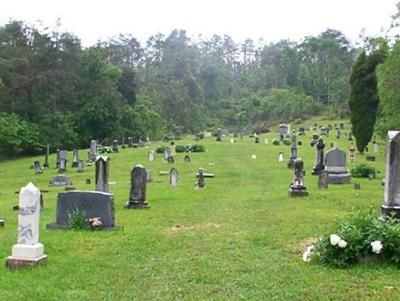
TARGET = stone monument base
(339,178)
(137,206)
(26,255)
(391,210)
(298,192)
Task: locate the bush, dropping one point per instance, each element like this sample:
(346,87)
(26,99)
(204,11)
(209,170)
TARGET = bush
(197,148)
(365,234)
(160,149)
(275,142)
(363,171)
(77,219)
(180,149)
(286,142)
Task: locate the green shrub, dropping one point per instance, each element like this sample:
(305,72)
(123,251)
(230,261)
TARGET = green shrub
(286,142)
(363,171)
(160,149)
(197,148)
(275,142)
(180,149)
(364,234)
(77,219)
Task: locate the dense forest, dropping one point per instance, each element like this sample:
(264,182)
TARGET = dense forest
(53,90)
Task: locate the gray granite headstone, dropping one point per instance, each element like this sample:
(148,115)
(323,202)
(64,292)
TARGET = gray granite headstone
(102,172)
(323,131)
(115,146)
(60,180)
(293,151)
(219,134)
(149,175)
(283,129)
(137,194)
(63,165)
(173,177)
(92,151)
(80,166)
(335,165)
(297,187)
(392,179)
(319,158)
(75,158)
(89,203)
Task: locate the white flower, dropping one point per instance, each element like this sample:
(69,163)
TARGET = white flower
(335,239)
(307,254)
(376,246)
(342,243)
(254,157)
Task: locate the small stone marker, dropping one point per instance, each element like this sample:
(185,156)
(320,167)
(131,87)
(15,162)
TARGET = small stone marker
(46,158)
(60,180)
(335,162)
(2,222)
(392,179)
(200,179)
(323,180)
(151,156)
(28,251)
(149,175)
(283,129)
(89,203)
(319,158)
(102,173)
(173,177)
(266,141)
(281,158)
(232,140)
(137,194)
(37,167)
(323,131)
(187,159)
(350,138)
(297,188)
(80,166)
(115,146)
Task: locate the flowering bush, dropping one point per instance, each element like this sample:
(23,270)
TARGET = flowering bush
(363,235)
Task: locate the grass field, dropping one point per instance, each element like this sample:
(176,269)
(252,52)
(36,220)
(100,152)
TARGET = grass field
(240,238)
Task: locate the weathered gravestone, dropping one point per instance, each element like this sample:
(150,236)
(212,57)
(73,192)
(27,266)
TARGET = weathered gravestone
(352,153)
(323,131)
(280,157)
(391,203)
(297,187)
(37,167)
(151,156)
(75,158)
(63,159)
(46,158)
(92,151)
(137,194)
(88,204)
(283,129)
(102,172)
(173,177)
(80,166)
(166,154)
(293,151)
(63,165)
(28,251)
(149,176)
(57,158)
(115,146)
(319,158)
(60,180)
(323,180)
(200,179)
(130,142)
(376,147)
(335,165)
(219,134)
(186,159)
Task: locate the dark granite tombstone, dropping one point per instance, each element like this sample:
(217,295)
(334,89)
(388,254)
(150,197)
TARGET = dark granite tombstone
(335,165)
(89,203)
(37,167)
(60,180)
(319,158)
(297,188)
(323,180)
(187,159)
(392,179)
(219,134)
(46,158)
(75,158)
(115,146)
(102,172)
(293,151)
(137,194)
(200,179)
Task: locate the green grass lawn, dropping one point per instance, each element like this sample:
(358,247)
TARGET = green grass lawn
(240,238)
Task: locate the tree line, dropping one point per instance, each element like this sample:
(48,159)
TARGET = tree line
(52,90)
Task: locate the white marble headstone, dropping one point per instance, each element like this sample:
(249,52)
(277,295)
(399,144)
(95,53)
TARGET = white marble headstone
(173,177)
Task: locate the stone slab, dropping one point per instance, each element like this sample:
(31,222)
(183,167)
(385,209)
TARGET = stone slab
(18,263)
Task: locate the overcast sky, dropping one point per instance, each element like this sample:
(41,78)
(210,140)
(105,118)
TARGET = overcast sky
(271,20)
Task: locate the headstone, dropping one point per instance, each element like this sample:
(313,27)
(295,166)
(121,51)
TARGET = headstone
(88,181)
(130,142)
(323,131)
(171,160)
(58,158)
(187,159)
(293,151)
(46,158)
(297,187)
(319,158)
(137,194)
(63,154)
(80,166)
(392,179)
(28,251)
(281,158)
(283,129)
(173,177)
(149,175)
(219,134)
(200,179)
(350,136)
(302,131)
(352,153)
(75,158)
(335,161)
(115,146)
(37,167)
(92,151)
(266,141)
(151,156)
(89,203)
(60,180)
(63,165)
(376,147)
(102,172)
(323,180)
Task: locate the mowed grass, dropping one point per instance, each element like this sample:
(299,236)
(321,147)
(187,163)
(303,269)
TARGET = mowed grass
(240,238)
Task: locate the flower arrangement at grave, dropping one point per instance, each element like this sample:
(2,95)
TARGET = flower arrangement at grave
(95,223)
(365,237)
